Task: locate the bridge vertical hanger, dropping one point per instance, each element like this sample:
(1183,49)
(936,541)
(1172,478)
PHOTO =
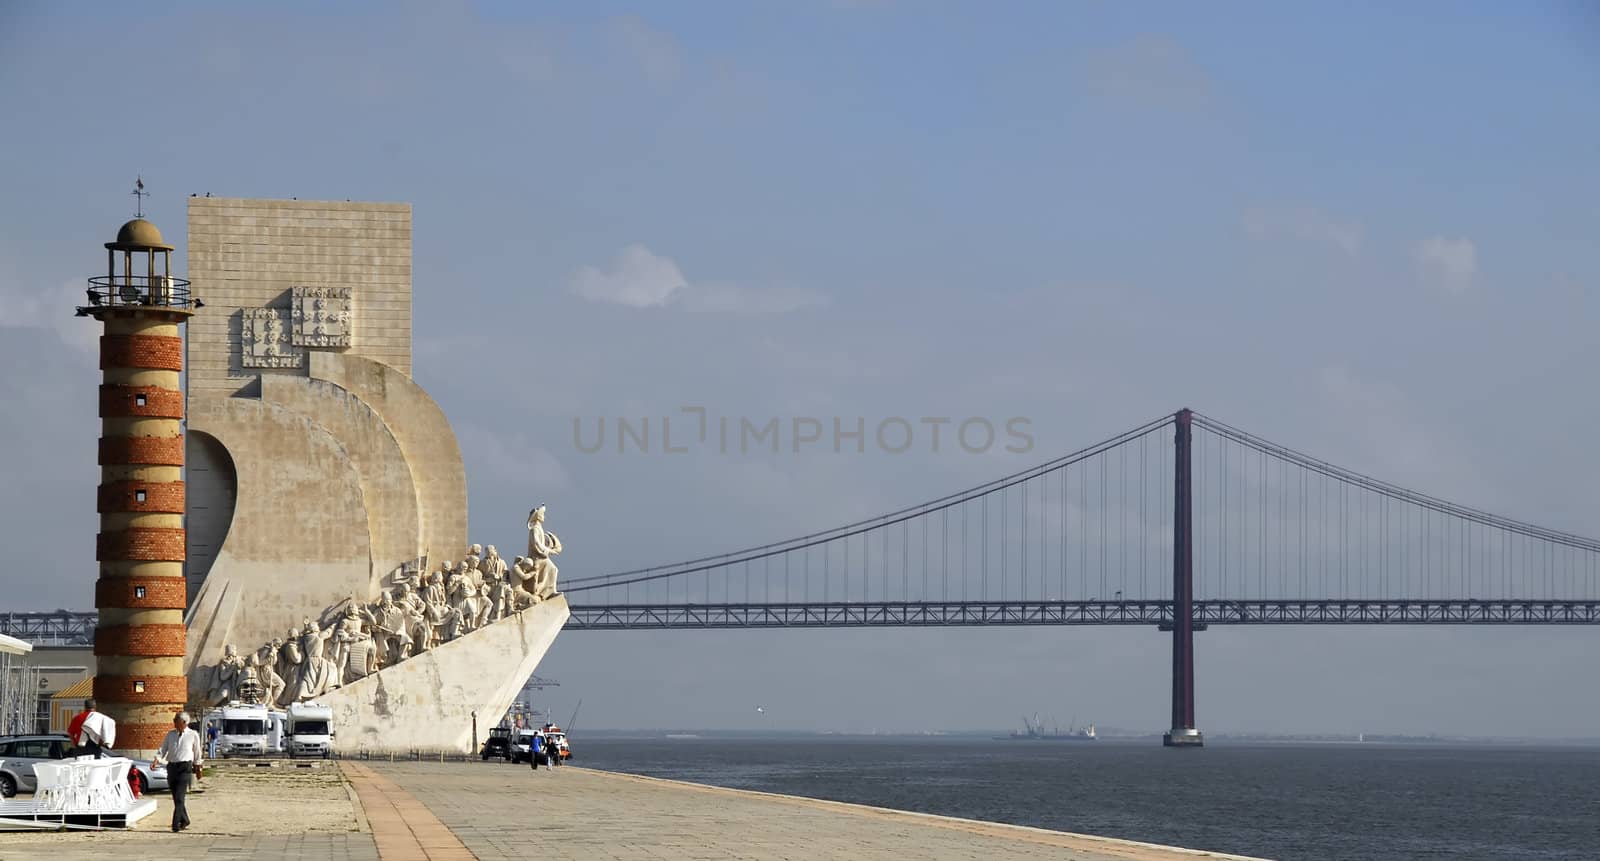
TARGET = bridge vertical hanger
(1183,732)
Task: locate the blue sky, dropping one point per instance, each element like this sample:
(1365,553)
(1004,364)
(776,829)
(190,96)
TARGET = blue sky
(1363,230)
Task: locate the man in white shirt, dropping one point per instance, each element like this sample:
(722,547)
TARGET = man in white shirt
(180,753)
(99,731)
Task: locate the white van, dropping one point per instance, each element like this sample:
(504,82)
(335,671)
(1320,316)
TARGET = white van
(244,729)
(521,743)
(309,730)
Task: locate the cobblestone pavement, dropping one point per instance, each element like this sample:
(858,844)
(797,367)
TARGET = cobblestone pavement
(248,814)
(502,811)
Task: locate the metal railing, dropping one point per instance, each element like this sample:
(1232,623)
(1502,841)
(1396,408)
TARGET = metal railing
(143,291)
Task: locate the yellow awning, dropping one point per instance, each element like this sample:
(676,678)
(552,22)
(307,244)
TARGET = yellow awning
(81,688)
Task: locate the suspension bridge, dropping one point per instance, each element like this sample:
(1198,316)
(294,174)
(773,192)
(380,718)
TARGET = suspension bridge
(1181,523)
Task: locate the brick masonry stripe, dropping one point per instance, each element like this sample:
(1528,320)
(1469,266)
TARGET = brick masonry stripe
(141,641)
(156,352)
(160,593)
(123,402)
(160,497)
(157,689)
(138,736)
(142,544)
(141,451)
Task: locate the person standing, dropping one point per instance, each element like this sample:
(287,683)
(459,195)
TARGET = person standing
(211,739)
(98,732)
(180,753)
(535,750)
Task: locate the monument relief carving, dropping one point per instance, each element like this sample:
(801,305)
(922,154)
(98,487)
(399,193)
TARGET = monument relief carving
(419,610)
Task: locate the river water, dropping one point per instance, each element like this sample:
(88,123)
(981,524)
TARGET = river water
(1361,802)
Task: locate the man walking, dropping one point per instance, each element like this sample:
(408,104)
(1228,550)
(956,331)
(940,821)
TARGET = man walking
(97,733)
(535,750)
(180,753)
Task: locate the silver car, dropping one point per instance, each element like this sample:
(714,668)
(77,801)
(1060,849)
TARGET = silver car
(18,753)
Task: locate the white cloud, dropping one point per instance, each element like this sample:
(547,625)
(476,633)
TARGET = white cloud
(640,278)
(1451,263)
(1306,224)
(1151,69)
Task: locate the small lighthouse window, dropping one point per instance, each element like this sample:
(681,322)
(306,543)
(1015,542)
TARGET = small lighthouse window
(138,496)
(138,687)
(138,591)
(138,400)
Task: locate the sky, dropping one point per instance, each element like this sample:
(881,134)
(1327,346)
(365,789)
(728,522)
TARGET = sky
(1363,230)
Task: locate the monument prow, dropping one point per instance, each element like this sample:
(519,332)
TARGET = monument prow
(427,702)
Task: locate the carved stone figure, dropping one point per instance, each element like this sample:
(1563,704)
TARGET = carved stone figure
(542,545)
(352,635)
(493,567)
(389,628)
(317,674)
(271,684)
(225,678)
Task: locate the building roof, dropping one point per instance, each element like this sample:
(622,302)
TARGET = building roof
(14,646)
(79,689)
(139,235)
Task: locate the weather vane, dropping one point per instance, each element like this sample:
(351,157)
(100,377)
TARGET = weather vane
(139,194)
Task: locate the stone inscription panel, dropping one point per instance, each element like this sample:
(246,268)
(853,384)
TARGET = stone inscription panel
(266,341)
(321,316)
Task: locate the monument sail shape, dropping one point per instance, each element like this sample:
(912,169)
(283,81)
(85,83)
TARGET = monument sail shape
(327,543)
(139,640)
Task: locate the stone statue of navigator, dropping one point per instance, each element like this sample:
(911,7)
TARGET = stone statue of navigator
(542,545)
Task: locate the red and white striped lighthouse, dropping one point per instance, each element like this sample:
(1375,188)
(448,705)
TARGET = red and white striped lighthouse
(140,639)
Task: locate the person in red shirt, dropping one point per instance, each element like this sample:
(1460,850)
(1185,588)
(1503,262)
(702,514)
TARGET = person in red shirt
(75,729)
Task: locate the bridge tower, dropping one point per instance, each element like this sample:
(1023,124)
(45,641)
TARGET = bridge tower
(1183,732)
(140,639)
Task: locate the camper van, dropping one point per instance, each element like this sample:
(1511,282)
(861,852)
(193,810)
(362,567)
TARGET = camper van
(309,730)
(246,729)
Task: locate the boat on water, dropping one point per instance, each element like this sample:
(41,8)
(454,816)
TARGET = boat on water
(1034,731)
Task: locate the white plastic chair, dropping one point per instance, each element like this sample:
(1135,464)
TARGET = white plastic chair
(55,787)
(106,785)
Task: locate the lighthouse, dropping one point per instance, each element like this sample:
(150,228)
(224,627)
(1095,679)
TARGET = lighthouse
(140,550)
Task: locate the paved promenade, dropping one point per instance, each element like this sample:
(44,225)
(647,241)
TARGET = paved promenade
(490,811)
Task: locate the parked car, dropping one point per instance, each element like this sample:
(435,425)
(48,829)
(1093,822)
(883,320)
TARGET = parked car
(498,744)
(18,753)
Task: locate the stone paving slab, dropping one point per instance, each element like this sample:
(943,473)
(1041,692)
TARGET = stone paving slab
(502,811)
(247,815)
(403,828)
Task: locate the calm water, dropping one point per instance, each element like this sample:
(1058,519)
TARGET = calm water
(1355,802)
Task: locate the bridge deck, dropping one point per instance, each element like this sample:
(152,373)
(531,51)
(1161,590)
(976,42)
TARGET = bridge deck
(1150,613)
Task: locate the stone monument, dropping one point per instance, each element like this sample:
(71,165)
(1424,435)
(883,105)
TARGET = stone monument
(325,485)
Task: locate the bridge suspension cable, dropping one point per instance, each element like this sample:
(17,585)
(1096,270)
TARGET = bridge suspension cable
(858,528)
(1268,523)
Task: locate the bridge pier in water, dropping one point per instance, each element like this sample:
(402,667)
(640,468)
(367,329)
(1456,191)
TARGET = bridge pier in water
(1183,732)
